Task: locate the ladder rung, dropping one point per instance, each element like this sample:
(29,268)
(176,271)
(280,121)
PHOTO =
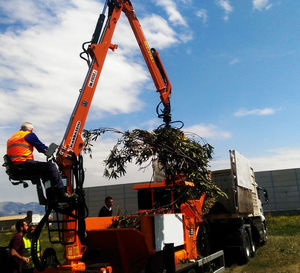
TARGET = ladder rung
(59,229)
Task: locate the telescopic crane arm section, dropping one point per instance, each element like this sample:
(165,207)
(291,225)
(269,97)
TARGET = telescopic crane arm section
(151,57)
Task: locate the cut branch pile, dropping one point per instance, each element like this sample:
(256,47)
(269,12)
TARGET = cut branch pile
(178,154)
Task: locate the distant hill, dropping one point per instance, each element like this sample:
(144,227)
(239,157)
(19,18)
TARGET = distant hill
(15,208)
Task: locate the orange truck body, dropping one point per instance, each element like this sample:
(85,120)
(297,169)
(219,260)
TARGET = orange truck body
(131,250)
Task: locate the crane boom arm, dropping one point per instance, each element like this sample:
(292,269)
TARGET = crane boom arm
(72,143)
(69,156)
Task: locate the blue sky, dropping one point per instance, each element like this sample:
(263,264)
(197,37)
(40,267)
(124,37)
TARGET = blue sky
(234,68)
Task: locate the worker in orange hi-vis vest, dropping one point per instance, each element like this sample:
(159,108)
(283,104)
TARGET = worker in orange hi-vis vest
(20,148)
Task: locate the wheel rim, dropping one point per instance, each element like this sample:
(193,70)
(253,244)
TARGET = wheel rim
(247,246)
(253,248)
(248,252)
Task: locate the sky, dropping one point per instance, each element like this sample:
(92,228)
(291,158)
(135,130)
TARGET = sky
(233,65)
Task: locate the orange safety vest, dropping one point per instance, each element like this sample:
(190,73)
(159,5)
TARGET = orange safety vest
(18,149)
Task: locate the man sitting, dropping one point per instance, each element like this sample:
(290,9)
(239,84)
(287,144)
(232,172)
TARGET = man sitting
(20,148)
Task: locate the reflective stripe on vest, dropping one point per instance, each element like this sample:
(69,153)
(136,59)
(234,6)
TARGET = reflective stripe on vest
(18,149)
(27,252)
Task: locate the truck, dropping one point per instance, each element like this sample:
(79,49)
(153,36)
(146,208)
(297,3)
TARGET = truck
(164,240)
(237,224)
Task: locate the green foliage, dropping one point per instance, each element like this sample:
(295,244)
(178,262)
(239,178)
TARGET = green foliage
(181,156)
(126,222)
(176,153)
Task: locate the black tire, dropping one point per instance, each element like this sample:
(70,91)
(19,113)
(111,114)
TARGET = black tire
(245,251)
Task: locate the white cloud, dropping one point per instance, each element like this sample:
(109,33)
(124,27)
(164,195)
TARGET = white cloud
(186,36)
(226,6)
(158,32)
(29,12)
(202,14)
(275,159)
(220,164)
(254,112)
(156,29)
(261,5)
(207,131)
(174,15)
(186,1)
(41,71)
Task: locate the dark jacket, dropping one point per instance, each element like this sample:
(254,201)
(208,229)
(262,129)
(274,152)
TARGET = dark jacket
(104,212)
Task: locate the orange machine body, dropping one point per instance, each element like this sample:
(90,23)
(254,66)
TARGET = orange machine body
(191,211)
(129,250)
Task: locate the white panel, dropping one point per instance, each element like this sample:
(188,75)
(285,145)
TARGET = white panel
(243,170)
(168,228)
(36,218)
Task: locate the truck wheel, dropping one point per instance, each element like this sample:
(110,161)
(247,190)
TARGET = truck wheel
(253,247)
(265,236)
(245,253)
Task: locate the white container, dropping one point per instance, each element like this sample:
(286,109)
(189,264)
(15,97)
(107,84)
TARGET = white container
(168,228)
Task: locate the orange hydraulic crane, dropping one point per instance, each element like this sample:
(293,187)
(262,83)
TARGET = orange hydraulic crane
(72,143)
(68,157)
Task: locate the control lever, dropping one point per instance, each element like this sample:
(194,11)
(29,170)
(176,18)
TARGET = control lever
(51,149)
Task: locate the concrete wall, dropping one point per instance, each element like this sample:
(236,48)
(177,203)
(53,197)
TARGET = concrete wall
(125,199)
(283,187)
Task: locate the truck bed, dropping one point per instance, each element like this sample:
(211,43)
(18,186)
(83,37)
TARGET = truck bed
(239,201)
